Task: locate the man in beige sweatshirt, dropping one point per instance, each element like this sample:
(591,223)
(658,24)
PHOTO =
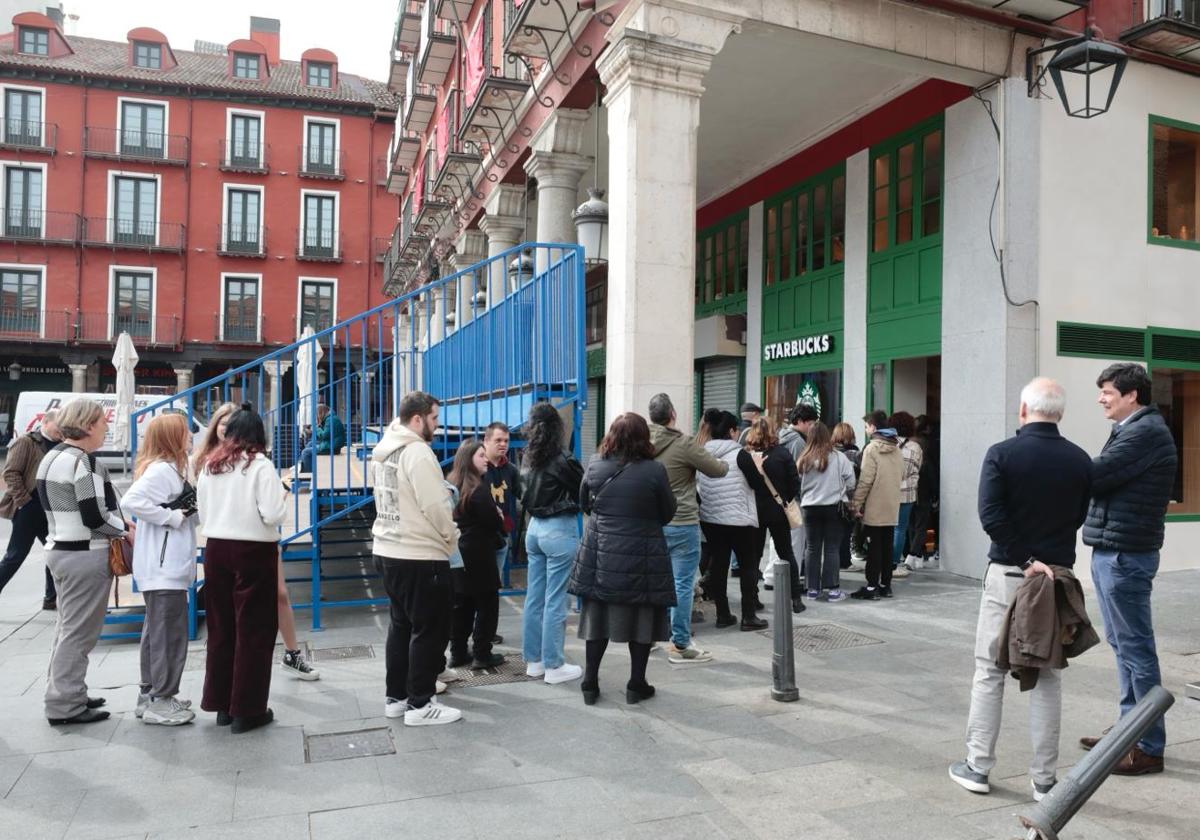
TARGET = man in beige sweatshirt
(414,535)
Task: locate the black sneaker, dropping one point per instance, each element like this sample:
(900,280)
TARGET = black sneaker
(249,723)
(50,604)
(798,605)
(885,591)
(726,620)
(460,660)
(295,664)
(491,661)
(864,593)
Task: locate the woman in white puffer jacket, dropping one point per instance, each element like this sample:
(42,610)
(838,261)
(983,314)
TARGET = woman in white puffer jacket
(164,565)
(729,520)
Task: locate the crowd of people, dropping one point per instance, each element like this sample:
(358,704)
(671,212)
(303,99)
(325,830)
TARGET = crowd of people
(659,508)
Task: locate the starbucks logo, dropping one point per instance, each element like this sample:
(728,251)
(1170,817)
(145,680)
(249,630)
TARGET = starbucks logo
(809,395)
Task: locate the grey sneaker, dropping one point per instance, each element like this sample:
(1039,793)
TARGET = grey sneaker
(1040,791)
(687,655)
(835,595)
(168,711)
(295,664)
(142,703)
(962,775)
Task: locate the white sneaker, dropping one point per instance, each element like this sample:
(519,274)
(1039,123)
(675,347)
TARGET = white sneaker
(439,686)
(393,708)
(535,669)
(168,712)
(901,571)
(432,713)
(563,673)
(687,655)
(449,676)
(858,563)
(142,702)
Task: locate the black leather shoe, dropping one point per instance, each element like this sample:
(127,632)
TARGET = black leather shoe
(591,693)
(865,594)
(224,719)
(753,622)
(638,693)
(798,605)
(86,716)
(885,592)
(95,702)
(251,722)
(726,620)
(460,660)
(50,604)
(497,639)
(491,661)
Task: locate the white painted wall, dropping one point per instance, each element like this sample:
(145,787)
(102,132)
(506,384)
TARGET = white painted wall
(854,304)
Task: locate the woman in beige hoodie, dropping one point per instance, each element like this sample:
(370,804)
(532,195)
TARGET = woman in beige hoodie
(877,503)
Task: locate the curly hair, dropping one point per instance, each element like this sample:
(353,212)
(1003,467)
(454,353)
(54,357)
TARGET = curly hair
(903,423)
(543,435)
(628,439)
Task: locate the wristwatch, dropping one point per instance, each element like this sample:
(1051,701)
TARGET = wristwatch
(1029,562)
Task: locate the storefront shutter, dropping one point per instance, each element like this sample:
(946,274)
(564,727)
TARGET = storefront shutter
(719,387)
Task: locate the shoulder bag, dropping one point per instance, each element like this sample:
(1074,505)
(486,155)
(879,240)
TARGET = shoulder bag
(792,509)
(845,510)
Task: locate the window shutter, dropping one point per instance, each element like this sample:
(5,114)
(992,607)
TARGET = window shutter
(1166,348)
(1101,342)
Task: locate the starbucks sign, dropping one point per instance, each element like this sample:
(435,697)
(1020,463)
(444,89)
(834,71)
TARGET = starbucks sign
(813,345)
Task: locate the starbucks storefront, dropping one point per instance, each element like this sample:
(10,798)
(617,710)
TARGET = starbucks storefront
(805,369)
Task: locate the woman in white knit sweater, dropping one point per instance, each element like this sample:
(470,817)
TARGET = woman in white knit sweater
(242,502)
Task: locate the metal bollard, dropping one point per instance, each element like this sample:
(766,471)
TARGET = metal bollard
(783,660)
(1067,797)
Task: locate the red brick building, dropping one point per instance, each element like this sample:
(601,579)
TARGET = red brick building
(210,203)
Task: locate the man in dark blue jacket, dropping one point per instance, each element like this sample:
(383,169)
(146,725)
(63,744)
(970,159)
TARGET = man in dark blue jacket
(1033,495)
(1131,487)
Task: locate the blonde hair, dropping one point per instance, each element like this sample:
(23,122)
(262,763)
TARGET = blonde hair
(761,436)
(843,435)
(211,439)
(76,420)
(166,440)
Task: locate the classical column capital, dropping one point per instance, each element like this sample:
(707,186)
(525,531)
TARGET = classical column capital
(557,170)
(562,132)
(277,367)
(639,58)
(470,248)
(506,200)
(502,229)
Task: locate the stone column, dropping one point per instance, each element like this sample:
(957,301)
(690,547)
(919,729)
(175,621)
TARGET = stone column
(471,249)
(183,377)
(754,306)
(274,371)
(504,223)
(79,378)
(854,296)
(654,86)
(557,165)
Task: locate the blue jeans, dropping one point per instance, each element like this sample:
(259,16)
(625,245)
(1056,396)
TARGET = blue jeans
(900,532)
(501,558)
(1123,583)
(307,454)
(683,541)
(550,545)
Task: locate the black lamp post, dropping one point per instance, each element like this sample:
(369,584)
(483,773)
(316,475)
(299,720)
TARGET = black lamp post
(1091,68)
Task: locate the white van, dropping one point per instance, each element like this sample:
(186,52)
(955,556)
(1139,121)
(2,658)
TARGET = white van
(32,406)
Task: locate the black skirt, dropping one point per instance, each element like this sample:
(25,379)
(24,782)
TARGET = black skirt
(640,623)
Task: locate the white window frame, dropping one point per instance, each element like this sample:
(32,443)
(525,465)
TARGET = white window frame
(4,88)
(6,165)
(262,213)
(113,271)
(230,113)
(248,275)
(329,281)
(337,215)
(166,106)
(337,138)
(110,209)
(27,267)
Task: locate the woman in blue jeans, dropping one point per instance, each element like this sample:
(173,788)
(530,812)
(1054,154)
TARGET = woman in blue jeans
(552,479)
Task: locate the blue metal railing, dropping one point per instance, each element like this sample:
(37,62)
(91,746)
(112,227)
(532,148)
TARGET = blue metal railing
(488,341)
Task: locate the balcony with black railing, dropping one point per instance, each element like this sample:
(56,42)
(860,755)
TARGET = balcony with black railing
(323,162)
(18,323)
(29,225)
(1169,27)
(239,156)
(134,144)
(439,44)
(145,328)
(319,246)
(408,25)
(139,234)
(242,240)
(239,328)
(29,135)
(420,100)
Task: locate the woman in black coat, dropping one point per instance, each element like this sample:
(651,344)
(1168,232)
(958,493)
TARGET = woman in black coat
(775,463)
(623,570)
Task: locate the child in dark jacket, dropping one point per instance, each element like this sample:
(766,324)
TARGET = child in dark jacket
(477,584)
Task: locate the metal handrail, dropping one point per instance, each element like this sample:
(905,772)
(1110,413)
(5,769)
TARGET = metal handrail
(130,233)
(27,223)
(29,134)
(242,239)
(1185,11)
(130,144)
(243,157)
(322,161)
(323,245)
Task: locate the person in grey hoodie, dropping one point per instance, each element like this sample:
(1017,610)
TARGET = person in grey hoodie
(729,519)
(826,479)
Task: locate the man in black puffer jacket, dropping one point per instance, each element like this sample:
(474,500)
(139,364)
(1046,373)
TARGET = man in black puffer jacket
(1132,480)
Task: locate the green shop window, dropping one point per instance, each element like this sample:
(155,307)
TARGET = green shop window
(722,265)
(1174,183)
(906,189)
(806,227)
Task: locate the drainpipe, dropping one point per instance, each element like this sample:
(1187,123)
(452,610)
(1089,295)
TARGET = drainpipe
(370,214)
(187,203)
(79,252)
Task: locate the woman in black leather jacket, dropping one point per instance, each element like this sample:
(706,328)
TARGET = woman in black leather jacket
(623,569)
(551,479)
(778,466)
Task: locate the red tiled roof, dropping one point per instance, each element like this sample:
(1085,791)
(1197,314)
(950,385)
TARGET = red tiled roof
(110,60)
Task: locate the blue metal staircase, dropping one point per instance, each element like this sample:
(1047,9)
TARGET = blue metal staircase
(488,342)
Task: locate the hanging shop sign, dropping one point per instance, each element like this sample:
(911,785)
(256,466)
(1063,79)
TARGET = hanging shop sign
(813,345)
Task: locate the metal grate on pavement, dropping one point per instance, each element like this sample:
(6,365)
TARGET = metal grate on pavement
(513,670)
(817,638)
(337,654)
(335,746)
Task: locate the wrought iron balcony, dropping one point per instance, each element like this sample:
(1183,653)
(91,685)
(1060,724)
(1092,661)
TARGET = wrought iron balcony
(28,225)
(20,324)
(237,156)
(1170,27)
(144,328)
(439,44)
(134,233)
(324,162)
(234,329)
(379,247)
(453,182)
(242,240)
(129,144)
(29,135)
(319,246)
(454,10)
(408,25)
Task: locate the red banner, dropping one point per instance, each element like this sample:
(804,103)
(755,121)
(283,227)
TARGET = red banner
(443,131)
(475,65)
(419,189)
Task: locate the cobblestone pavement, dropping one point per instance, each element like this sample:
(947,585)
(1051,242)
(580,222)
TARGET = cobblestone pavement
(863,754)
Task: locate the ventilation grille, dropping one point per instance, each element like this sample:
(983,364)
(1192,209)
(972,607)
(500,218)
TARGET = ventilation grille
(1105,342)
(1175,348)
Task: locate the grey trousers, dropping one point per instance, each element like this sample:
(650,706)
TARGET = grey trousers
(164,641)
(83,581)
(987,692)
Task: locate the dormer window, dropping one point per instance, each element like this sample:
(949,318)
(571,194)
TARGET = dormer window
(147,55)
(320,74)
(245,66)
(35,41)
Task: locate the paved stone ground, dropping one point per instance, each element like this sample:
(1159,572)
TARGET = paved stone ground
(863,754)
